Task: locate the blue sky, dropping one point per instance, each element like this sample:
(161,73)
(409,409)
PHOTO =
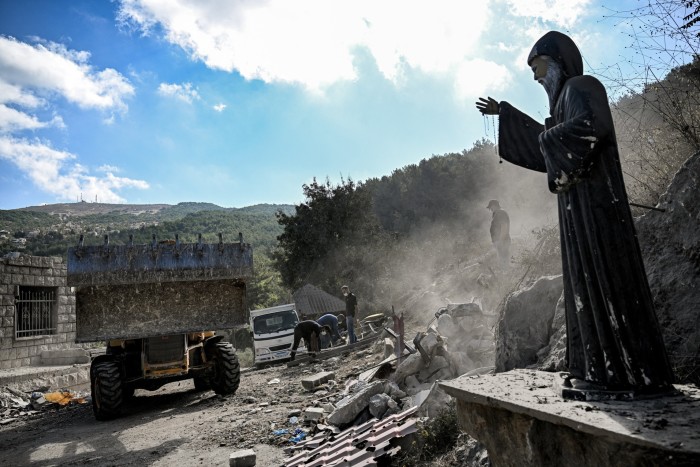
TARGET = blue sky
(239,103)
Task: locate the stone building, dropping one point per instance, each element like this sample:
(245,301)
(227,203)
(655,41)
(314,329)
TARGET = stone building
(37,313)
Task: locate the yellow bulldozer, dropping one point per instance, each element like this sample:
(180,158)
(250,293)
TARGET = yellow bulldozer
(156,306)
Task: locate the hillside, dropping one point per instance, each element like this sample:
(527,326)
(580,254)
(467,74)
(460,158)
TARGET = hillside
(50,229)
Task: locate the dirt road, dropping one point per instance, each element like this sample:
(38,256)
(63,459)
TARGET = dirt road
(176,425)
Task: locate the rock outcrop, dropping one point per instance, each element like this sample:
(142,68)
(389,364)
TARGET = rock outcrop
(525,326)
(670,243)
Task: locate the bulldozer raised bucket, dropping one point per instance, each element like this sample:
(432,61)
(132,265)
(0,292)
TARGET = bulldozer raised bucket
(135,291)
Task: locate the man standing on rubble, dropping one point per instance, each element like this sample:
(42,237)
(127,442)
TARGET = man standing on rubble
(500,232)
(614,342)
(350,310)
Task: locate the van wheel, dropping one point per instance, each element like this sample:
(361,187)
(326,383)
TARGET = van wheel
(106,389)
(227,371)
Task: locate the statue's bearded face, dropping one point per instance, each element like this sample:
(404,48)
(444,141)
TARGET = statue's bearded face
(549,74)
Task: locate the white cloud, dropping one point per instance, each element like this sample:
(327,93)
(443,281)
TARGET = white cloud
(477,77)
(563,13)
(184,91)
(108,168)
(219,107)
(13,120)
(34,77)
(55,69)
(314,42)
(55,172)
(311,42)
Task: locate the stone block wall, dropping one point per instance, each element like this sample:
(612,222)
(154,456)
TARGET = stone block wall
(25,270)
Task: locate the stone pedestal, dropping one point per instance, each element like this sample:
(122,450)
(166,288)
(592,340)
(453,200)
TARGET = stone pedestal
(521,420)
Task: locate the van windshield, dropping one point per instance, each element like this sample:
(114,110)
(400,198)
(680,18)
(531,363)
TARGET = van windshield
(275,322)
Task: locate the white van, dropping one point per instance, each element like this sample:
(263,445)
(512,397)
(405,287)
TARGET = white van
(273,333)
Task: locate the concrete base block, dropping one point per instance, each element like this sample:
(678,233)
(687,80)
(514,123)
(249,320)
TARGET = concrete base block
(522,421)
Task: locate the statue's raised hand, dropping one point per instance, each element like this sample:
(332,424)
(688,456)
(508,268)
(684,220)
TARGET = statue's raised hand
(487,106)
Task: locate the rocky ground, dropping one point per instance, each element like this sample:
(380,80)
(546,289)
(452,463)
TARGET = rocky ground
(177,424)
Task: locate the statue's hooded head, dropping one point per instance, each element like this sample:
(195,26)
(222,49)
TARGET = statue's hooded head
(564,60)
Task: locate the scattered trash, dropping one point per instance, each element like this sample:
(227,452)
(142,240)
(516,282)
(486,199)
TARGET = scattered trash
(274,381)
(293,420)
(280,432)
(64,397)
(299,434)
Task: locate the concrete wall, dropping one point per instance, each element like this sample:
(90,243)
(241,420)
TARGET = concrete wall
(24,270)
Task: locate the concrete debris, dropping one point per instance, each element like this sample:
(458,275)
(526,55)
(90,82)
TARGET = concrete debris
(410,366)
(388,347)
(314,413)
(243,458)
(15,404)
(348,408)
(382,405)
(312,382)
(431,402)
(460,341)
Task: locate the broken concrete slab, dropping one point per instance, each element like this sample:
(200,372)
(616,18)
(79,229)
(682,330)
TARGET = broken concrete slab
(388,347)
(348,408)
(429,342)
(314,413)
(243,458)
(432,401)
(459,310)
(447,327)
(428,373)
(311,382)
(410,366)
(378,405)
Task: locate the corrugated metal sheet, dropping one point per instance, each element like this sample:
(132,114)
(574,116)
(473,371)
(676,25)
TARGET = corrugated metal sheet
(314,302)
(365,444)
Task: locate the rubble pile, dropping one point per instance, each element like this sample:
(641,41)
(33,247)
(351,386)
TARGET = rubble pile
(16,404)
(459,340)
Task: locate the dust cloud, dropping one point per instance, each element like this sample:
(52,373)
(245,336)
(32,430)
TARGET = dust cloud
(453,260)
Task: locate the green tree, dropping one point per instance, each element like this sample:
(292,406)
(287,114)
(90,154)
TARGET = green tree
(331,220)
(266,289)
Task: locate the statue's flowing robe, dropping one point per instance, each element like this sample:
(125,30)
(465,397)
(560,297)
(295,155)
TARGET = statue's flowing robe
(613,335)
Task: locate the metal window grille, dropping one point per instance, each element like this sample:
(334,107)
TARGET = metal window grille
(35,311)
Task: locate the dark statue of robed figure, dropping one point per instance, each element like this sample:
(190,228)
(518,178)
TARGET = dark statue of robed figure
(613,335)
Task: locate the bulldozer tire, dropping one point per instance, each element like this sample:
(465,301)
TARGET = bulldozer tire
(227,371)
(201,384)
(128,393)
(106,386)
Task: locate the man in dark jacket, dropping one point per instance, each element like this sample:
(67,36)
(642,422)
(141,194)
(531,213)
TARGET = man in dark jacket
(350,309)
(500,232)
(311,332)
(614,341)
